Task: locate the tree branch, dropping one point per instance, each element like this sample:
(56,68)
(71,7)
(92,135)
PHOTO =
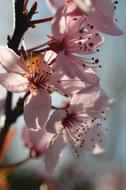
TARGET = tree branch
(22,23)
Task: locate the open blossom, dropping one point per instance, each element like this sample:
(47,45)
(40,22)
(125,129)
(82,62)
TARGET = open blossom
(100,14)
(43,144)
(36,141)
(72,39)
(55,4)
(34,75)
(80,123)
(24,75)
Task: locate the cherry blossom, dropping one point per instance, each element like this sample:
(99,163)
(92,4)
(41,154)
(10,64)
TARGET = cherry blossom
(73,38)
(24,75)
(70,86)
(54,5)
(80,123)
(36,141)
(66,64)
(43,144)
(100,14)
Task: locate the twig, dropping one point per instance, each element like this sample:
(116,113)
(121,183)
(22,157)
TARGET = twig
(41,20)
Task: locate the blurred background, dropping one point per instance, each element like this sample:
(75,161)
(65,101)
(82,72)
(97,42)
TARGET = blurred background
(112,165)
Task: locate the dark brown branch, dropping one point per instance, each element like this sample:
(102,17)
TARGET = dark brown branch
(22,23)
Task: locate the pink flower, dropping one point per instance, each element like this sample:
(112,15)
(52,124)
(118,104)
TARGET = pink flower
(24,75)
(73,38)
(36,109)
(42,143)
(100,14)
(36,141)
(80,123)
(70,86)
(54,5)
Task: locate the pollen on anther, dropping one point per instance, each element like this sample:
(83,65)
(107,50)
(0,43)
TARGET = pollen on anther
(96,61)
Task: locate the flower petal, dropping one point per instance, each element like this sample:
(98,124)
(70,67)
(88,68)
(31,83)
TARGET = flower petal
(37,140)
(63,61)
(55,117)
(58,26)
(14,82)
(85,5)
(88,99)
(54,152)
(101,15)
(36,110)
(54,4)
(93,139)
(104,24)
(11,61)
(31,138)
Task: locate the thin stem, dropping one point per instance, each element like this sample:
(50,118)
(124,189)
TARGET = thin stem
(39,21)
(59,108)
(40,51)
(37,47)
(25,5)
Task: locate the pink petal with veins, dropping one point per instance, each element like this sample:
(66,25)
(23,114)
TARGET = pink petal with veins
(58,26)
(55,117)
(36,109)
(11,61)
(101,15)
(36,140)
(54,152)
(105,25)
(14,82)
(93,138)
(54,4)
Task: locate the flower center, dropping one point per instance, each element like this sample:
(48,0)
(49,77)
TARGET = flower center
(56,46)
(37,81)
(69,120)
(38,72)
(68,1)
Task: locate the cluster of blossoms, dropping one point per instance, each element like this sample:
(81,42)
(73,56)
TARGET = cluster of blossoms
(67,66)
